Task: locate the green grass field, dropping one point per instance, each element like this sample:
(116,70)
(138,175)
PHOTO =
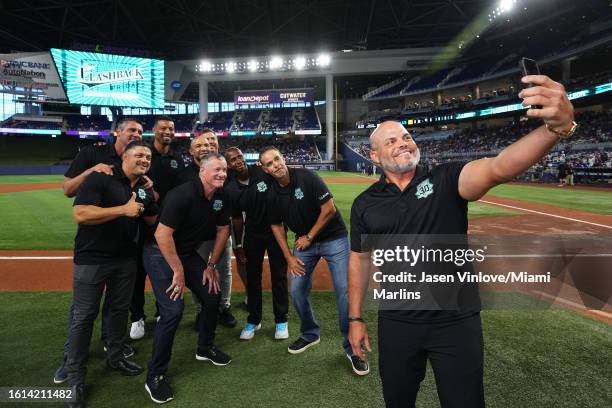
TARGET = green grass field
(42,219)
(535,358)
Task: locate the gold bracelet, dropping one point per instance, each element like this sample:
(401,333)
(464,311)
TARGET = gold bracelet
(563,135)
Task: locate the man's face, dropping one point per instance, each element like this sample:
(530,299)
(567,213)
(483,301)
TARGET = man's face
(272,162)
(137,160)
(394,149)
(164,132)
(129,132)
(235,160)
(213,143)
(199,148)
(214,173)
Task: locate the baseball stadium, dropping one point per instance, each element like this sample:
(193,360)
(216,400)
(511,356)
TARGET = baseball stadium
(318,85)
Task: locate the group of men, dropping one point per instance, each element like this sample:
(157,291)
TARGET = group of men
(139,203)
(142,212)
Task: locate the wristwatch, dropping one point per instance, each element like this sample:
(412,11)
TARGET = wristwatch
(563,135)
(212,264)
(308,237)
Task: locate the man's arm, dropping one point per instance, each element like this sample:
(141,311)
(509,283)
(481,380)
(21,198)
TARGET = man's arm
(94,215)
(328,210)
(165,241)
(294,263)
(238,229)
(357,286)
(210,274)
(71,185)
(479,176)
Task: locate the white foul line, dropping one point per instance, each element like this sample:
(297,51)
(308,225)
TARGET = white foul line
(543,213)
(49,258)
(572,304)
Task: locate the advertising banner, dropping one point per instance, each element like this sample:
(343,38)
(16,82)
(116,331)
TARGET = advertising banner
(273,96)
(30,73)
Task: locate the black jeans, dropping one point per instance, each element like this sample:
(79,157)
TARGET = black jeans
(455,350)
(255,245)
(171,311)
(88,284)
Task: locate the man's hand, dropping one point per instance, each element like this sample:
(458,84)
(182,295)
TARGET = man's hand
(211,276)
(295,266)
(133,208)
(302,243)
(240,255)
(177,288)
(358,337)
(557,111)
(148,183)
(102,168)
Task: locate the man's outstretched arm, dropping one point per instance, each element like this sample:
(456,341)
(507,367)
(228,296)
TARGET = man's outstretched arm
(479,176)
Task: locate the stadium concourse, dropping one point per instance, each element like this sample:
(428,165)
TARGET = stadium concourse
(315,80)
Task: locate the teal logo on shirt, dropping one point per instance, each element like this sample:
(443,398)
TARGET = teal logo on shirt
(173,164)
(424,189)
(262,187)
(142,194)
(217,205)
(299,194)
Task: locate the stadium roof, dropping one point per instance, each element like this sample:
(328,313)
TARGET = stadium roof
(184,29)
(194,29)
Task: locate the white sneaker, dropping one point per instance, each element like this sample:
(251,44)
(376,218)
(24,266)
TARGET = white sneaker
(282,331)
(137,331)
(249,331)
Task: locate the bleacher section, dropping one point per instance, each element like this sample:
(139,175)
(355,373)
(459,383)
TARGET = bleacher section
(472,67)
(281,120)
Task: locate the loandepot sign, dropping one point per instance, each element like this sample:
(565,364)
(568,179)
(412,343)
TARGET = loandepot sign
(110,80)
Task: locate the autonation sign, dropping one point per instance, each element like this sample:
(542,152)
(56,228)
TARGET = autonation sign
(273,96)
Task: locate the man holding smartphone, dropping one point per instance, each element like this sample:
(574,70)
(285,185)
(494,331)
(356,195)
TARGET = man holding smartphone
(399,204)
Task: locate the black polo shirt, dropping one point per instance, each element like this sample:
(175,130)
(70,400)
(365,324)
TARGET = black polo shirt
(165,171)
(89,156)
(193,218)
(115,239)
(252,199)
(430,204)
(298,205)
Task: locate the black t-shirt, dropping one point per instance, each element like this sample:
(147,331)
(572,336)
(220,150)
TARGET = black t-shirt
(251,198)
(298,205)
(431,205)
(193,218)
(115,239)
(89,156)
(165,171)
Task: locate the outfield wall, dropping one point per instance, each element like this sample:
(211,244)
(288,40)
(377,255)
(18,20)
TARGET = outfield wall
(16,170)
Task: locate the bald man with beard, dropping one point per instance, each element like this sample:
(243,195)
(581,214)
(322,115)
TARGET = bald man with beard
(413,200)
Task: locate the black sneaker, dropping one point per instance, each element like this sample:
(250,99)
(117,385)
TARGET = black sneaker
(214,355)
(360,367)
(300,345)
(227,319)
(128,351)
(159,390)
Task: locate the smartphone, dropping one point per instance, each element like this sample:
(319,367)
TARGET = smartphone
(529,67)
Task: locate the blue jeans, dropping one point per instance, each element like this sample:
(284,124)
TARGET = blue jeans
(171,312)
(336,253)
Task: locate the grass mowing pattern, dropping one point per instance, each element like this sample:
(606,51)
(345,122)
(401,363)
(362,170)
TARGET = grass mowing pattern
(549,358)
(31,179)
(599,202)
(36,220)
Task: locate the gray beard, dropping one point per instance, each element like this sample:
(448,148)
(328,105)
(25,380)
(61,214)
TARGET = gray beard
(393,167)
